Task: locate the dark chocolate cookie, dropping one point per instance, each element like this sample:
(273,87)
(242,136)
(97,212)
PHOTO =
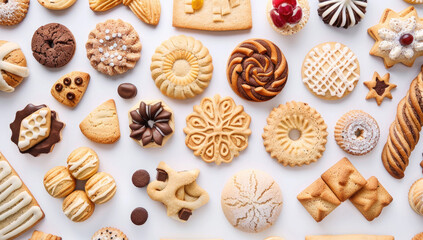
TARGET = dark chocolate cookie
(53,45)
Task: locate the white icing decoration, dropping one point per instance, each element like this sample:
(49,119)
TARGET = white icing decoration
(111,48)
(124,47)
(346,9)
(336,79)
(107,38)
(22,223)
(119,57)
(56,181)
(107,31)
(111,64)
(100,50)
(77,203)
(106,49)
(5,49)
(89,161)
(114,35)
(100,184)
(25,140)
(101,41)
(391,38)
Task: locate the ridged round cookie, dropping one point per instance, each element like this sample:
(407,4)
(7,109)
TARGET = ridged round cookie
(77,206)
(357,132)
(330,71)
(113,47)
(83,163)
(100,188)
(415,196)
(290,29)
(342,13)
(13,12)
(418,236)
(295,116)
(152,123)
(56,4)
(251,201)
(58,182)
(181,67)
(414,2)
(109,233)
(257,70)
(11,75)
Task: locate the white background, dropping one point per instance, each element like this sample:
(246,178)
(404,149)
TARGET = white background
(124,157)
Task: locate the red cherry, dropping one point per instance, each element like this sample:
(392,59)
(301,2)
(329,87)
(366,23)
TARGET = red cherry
(296,16)
(293,3)
(278,20)
(285,9)
(406,39)
(276,3)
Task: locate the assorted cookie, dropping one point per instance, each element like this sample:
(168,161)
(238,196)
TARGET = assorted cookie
(152,123)
(331,71)
(77,206)
(217,130)
(278,136)
(53,45)
(13,12)
(109,233)
(102,124)
(216,15)
(178,191)
(113,47)
(19,209)
(288,17)
(36,129)
(59,182)
(379,88)
(342,13)
(181,67)
(415,196)
(257,70)
(57,4)
(70,88)
(13,68)
(100,188)
(398,37)
(251,201)
(38,235)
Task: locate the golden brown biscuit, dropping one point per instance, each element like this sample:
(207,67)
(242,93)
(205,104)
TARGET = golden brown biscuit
(70,88)
(418,236)
(77,206)
(343,179)
(83,163)
(379,88)
(12,64)
(100,188)
(56,4)
(415,196)
(37,235)
(318,199)
(371,199)
(58,182)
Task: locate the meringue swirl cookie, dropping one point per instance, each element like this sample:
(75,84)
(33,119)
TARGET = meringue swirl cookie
(181,67)
(330,71)
(13,68)
(152,123)
(109,233)
(290,18)
(415,196)
(100,188)
(13,12)
(251,201)
(342,13)
(56,4)
(58,182)
(83,163)
(77,206)
(357,132)
(257,70)
(113,47)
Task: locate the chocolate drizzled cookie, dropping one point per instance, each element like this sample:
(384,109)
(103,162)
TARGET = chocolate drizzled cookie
(342,13)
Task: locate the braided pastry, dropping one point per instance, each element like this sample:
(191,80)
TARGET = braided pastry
(257,70)
(404,132)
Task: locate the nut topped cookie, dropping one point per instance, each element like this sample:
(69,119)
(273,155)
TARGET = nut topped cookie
(113,47)
(13,68)
(70,88)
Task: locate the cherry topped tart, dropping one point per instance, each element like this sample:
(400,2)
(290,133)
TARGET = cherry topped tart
(286,12)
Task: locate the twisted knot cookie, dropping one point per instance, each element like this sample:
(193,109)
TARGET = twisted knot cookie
(331,71)
(299,116)
(13,12)
(257,70)
(357,133)
(146,10)
(404,132)
(57,4)
(13,67)
(217,130)
(113,47)
(181,67)
(251,201)
(178,191)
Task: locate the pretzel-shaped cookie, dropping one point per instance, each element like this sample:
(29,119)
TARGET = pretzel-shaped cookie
(178,191)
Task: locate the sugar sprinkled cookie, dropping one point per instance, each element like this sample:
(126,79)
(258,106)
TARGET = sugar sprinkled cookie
(12,66)
(113,47)
(70,88)
(13,12)
(330,71)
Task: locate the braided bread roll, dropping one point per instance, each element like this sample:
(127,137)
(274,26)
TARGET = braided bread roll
(404,132)
(257,70)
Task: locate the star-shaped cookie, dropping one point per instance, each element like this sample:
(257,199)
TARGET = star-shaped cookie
(379,87)
(398,36)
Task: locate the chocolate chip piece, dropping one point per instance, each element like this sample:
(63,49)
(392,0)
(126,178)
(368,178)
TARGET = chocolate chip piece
(58,87)
(78,81)
(70,96)
(140,178)
(67,81)
(184,214)
(161,175)
(139,216)
(127,90)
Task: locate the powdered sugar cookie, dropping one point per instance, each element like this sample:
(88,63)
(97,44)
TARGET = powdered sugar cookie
(113,47)
(331,71)
(13,12)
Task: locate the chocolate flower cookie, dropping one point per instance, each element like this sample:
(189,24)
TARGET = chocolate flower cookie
(151,123)
(342,13)
(257,70)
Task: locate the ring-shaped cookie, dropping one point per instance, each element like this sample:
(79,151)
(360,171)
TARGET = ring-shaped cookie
(292,116)
(181,67)
(13,12)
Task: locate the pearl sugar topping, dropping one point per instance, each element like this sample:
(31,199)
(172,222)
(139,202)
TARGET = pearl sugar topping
(111,52)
